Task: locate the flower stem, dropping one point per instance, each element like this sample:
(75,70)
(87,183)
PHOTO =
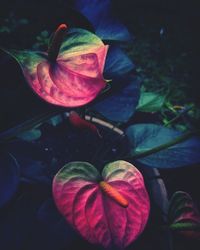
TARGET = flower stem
(179,115)
(56,42)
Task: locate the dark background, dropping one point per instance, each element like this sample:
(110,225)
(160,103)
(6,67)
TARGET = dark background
(145,18)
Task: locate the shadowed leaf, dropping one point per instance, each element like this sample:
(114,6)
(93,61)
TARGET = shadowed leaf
(145,137)
(9,177)
(106,24)
(122,101)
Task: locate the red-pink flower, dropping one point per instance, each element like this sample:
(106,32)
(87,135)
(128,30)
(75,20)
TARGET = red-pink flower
(108,210)
(70,74)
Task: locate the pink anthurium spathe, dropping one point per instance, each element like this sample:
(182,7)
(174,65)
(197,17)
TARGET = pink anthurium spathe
(70,73)
(184,216)
(107,210)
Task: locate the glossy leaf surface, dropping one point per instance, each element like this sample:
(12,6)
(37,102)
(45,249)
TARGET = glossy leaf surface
(92,212)
(106,24)
(123,99)
(117,63)
(150,102)
(144,137)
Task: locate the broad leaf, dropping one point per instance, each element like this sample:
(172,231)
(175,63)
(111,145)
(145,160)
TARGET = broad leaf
(9,177)
(95,212)
(150,102)
(106,24)
(183,215)
(122,101)
(32,158)
(117,63)
(144,137)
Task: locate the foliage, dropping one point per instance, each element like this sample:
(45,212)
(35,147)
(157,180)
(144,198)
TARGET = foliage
(9,177)
(167,148)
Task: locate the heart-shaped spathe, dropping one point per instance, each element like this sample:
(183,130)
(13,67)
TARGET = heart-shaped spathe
(91,203)
(75,76)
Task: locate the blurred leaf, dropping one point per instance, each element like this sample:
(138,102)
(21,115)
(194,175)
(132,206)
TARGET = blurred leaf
(150,102)
(183,215)
(23,21)
(4,29)
(9,177)
(33,161)
(23,127)
(30,135)
(120,105)
(55,120)
(145,137)
(44,33)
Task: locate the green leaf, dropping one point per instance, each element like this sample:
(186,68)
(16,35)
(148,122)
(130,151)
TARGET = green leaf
(30,135)
(27,125)
(150,102)
(156,146)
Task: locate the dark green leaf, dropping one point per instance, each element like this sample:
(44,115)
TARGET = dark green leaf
(9,177)
(30,135)
(145,137)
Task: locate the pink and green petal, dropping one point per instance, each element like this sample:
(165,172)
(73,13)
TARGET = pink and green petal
(75,77)
(79,42)
(97,217)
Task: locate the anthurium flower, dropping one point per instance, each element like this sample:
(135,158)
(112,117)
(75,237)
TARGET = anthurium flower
(110,209)
(70,74)
(184,216)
